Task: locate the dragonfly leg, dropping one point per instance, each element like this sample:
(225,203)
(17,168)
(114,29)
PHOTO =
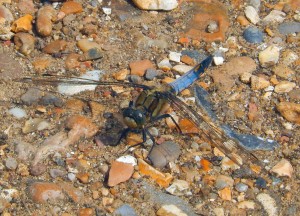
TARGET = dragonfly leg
(166,115)
(123,134)
(140,143)
(151,137)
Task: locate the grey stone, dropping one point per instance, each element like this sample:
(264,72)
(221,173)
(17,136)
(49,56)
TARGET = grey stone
(289,27)
(11,163)
(125,210)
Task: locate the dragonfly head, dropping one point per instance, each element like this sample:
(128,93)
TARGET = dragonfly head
(134,118)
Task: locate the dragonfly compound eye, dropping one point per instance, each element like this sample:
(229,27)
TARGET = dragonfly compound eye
(134,118)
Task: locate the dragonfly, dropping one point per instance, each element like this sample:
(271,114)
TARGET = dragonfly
(152,102)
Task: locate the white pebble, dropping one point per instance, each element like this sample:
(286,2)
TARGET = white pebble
(174,56)
(106,10)
(17,112)
(252,14)
(128,159)
(71,89)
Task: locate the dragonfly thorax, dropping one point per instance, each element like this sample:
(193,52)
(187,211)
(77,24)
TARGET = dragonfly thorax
(134,118)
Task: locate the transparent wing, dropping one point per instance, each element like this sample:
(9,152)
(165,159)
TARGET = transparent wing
(210,131)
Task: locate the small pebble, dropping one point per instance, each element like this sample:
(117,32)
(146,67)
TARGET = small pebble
(253,35)
(17,112)
(283,168)
(178,187)
(11,163)
(241,187)
(150,74)
(252,14)
(212,27)
(125,210)
(223,181)
(174,56)
(54,173)
(261,183)
(269,56)
(165,65)
(71,177)
(164,153)
(135,79)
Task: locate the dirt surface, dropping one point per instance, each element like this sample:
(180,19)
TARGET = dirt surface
(75,172)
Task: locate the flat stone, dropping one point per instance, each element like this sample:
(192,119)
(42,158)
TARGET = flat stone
(42,192)
(119,172)
(163,179)
(289,28)
(246,204)
(283,168)
(139,67)
(204,12)
(226,74)
(283,71)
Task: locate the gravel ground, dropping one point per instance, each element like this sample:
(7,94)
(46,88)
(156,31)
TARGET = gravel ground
(51,164)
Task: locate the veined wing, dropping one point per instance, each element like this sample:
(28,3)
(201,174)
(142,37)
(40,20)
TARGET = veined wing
(209,130)
(74,82)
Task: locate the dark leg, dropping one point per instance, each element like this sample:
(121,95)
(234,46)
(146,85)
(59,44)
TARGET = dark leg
(151,137)
(140,143)
(163,116)
(123,134)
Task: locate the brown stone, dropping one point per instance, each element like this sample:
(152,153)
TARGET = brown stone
(83,177)
(41,192)
(139,67)
(24,42)
(55,47)
(72,61)
(204,12)
(41,64)
(119,172)
(163,179)
(44,20)
(86,212)
(26,6)
(225,194)
(22,24)
(242,20)
(71,7)
(226,74)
